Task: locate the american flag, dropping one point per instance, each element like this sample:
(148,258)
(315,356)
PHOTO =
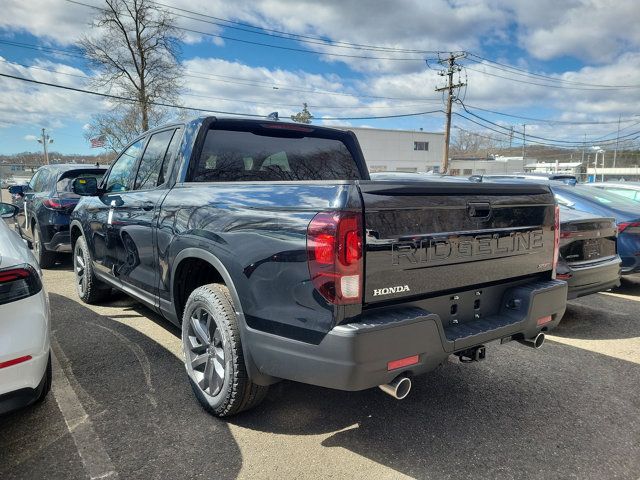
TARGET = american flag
(98,142)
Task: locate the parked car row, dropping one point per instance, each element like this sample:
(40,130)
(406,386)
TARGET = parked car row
(281,257)
(45,205)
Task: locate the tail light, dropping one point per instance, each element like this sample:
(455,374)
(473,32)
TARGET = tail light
(18,282)
(556,241)
(53,204)
(334,253)
(629,227)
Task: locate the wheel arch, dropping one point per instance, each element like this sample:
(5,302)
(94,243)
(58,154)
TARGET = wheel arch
(191,253)
(75,232)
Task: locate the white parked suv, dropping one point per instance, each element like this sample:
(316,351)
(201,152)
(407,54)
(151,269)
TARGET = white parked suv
(25,359)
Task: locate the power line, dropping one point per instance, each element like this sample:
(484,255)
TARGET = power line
(227,78)
(551,121)
(255,29)
(521,71)
(563,143)
(320,107)
(548,85)
(269,45)
(299,37)
(286,87)
(206,110)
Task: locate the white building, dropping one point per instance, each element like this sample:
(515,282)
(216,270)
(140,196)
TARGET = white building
(485,166)
(571,168)
(400,150)
(613,174)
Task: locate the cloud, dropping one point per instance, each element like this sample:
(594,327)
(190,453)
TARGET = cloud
(24,103)
(30,138)
(601,34)
(49,19)
(591,30)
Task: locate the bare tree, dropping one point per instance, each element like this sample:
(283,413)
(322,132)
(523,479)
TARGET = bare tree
(470,143)
(135,52)
(304,116)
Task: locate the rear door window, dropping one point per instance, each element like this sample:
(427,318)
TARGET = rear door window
(121,172)
(244,156)
(150,169)
(35,184)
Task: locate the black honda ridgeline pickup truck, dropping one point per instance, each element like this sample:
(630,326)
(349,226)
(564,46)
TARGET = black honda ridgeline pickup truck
(280,259)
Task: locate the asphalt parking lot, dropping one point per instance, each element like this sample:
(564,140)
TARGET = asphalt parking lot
(121,407)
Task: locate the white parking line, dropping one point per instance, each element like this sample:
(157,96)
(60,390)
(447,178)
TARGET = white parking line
(94,457)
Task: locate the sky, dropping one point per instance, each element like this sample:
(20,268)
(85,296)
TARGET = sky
(570,67)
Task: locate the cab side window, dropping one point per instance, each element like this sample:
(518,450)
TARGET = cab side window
(122,171)
(150,169)
(170,156)
(37,181)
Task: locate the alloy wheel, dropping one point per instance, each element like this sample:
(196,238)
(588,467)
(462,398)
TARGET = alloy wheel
(79,267)
(204,351)
(36,244)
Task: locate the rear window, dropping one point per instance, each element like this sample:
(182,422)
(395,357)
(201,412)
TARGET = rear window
(65,184)
(243,156)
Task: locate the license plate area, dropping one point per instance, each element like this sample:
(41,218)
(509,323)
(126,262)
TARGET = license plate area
(591,248)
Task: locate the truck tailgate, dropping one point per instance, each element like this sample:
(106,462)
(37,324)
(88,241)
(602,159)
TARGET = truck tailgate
(430,237)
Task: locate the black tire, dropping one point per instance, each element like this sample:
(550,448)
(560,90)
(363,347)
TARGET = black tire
(89,288)
(212,309)
(45,383)
(45,258)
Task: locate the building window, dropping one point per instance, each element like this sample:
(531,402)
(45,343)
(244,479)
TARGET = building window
(407,169)
(377,168)
(436,169)
(467,171)
(454,172)
(424,146)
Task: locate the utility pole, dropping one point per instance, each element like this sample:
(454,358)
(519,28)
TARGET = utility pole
(451,68)
(584,144)
(510,137)
(615,152)
(524,144)
(45,140)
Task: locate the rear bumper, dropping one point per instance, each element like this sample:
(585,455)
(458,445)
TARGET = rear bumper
(60,242)
(22,397)
(593,278)
(355,356)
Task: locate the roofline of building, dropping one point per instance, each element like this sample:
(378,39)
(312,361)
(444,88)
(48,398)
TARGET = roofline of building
(344,127)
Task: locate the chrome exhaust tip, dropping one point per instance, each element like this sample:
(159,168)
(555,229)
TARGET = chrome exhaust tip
(535,342)
(399,388)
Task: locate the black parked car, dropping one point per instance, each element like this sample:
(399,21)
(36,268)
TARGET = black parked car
(46,204)
(588,261)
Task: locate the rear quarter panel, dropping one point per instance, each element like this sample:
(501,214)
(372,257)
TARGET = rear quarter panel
(258,232)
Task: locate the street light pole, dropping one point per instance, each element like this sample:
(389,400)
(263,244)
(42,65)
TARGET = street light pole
(45,140)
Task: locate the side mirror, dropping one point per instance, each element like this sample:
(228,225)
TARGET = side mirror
(16,189)
(85,186)
(8,210)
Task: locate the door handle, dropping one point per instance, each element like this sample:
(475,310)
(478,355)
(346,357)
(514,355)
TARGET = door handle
(148,206)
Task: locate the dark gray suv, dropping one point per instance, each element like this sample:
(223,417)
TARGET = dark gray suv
(46,204)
